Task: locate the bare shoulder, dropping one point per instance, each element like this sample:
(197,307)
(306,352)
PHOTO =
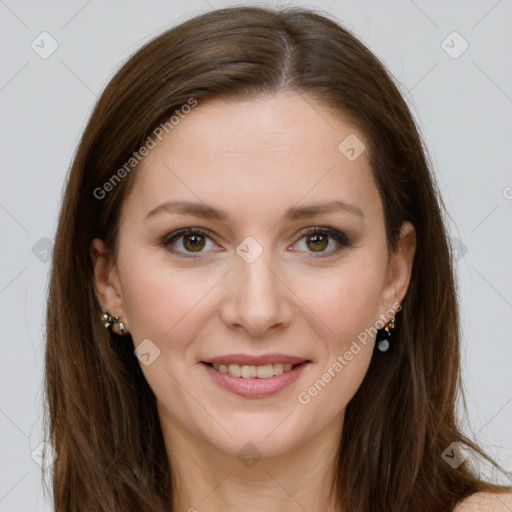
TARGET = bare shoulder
(486,502)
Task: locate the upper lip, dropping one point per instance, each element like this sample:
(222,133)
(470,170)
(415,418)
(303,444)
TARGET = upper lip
(250,360)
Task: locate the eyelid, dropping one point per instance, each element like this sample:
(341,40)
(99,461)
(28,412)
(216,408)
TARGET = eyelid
(186,231)
(325,229)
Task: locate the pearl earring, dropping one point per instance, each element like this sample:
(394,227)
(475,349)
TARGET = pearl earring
(383,345)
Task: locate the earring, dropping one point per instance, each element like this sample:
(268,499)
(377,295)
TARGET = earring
(109,321)
(383,345)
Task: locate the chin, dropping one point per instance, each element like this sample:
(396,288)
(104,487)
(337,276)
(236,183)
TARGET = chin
(259,434)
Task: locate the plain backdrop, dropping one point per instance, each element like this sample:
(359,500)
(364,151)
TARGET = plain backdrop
(459,87)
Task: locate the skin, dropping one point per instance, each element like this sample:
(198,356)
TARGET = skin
(486,502)
(254,159)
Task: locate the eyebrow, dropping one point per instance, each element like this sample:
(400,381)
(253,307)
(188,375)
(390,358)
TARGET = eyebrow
(209,212)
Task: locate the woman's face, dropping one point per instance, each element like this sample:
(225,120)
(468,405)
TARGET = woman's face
(284,262)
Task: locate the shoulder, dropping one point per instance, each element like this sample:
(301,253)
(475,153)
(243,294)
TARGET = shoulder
(486,502)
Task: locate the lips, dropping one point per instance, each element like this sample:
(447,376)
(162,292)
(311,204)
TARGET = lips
(255,376)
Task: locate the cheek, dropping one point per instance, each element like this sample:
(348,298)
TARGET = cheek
(346,305)
(345,301)
(159,299)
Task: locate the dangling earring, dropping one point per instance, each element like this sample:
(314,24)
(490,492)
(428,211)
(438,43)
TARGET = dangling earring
(109,321)
(383,344)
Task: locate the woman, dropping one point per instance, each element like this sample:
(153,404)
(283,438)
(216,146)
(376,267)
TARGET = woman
(252,302)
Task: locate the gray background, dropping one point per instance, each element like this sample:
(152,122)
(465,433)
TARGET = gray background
(464,107)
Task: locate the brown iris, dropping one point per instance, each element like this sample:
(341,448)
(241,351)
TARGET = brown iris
(317,243)
(193,242)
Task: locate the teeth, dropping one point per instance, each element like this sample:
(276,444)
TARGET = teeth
(264,372)
(235,370)
(278,368)
(250,372)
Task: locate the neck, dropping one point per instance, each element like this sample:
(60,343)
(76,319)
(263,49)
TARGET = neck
(206,478)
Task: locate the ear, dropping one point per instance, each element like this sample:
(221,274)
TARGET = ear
(106,282)
(399,268)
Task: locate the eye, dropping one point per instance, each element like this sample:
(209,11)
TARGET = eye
(317,241)
(186,242)
(322,241)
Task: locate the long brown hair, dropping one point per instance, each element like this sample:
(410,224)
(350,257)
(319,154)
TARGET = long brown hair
(101,414)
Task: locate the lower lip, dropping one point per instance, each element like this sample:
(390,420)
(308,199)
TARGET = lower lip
(253,387)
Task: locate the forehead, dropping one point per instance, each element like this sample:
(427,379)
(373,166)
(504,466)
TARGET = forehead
(269,152)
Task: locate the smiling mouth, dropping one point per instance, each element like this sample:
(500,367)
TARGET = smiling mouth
(265,371)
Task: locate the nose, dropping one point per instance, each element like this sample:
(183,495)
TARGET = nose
(256,298)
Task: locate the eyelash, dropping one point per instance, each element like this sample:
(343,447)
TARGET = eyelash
(330,231)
